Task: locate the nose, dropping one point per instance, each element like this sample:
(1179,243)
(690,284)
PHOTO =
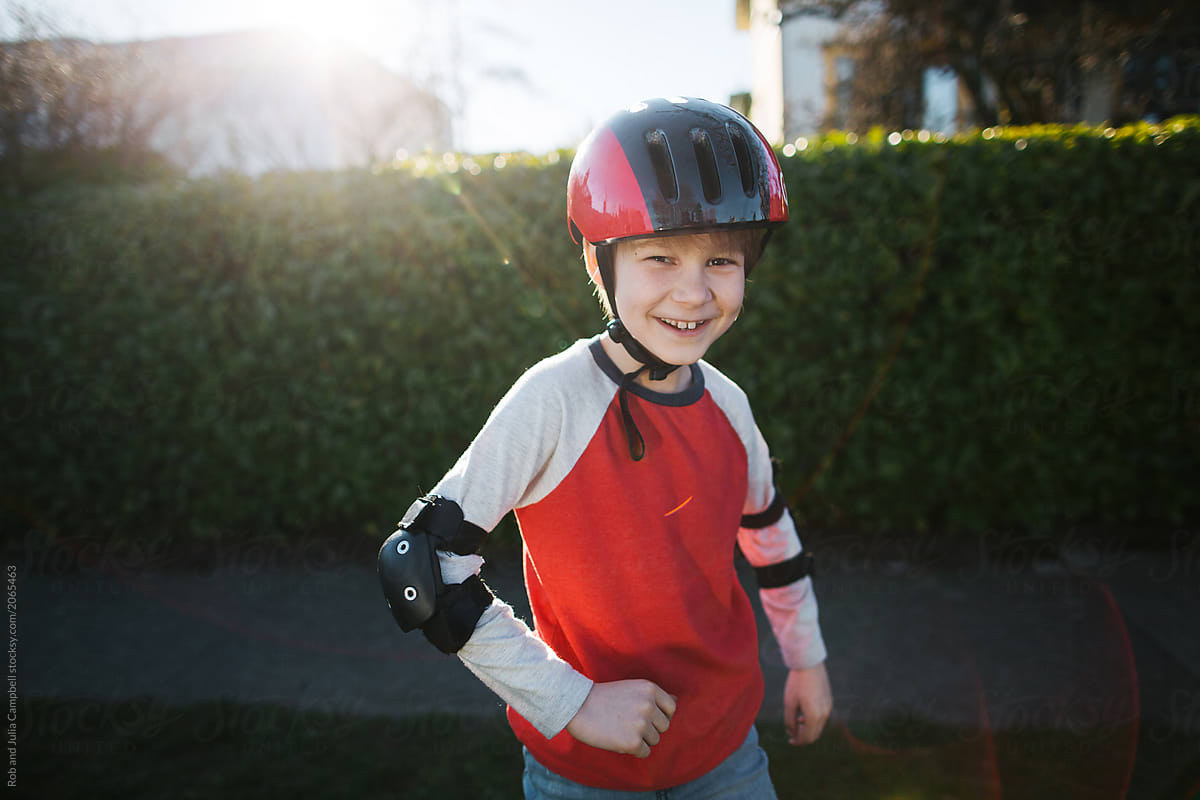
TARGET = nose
(692,286)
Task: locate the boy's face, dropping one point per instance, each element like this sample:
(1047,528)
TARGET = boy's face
(678,294)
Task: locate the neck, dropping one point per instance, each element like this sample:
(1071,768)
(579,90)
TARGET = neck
(676,381)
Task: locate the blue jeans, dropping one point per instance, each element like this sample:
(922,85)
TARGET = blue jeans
(742,776)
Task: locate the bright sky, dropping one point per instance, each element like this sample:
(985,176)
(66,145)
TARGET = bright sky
(535,74)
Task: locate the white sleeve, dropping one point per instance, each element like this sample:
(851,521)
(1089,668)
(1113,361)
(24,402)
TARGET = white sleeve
(791,609)
(514,663)
(519,455)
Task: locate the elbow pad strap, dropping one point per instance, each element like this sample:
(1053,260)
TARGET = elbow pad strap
(768,516)
(459,609)
(773,576)
(443,519)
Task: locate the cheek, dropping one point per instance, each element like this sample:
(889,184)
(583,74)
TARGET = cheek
(625,295)
(732,292)
(635,288)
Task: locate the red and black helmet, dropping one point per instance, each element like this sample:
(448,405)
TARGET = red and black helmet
(672,164)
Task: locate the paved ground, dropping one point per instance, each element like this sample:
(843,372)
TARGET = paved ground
(1096,637)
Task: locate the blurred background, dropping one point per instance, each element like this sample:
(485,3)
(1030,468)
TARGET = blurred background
(220,218)
(266,266)
(268,84)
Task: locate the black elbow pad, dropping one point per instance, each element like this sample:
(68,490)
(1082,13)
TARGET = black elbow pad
(411,575)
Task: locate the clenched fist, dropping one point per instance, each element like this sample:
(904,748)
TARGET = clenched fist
(623,716)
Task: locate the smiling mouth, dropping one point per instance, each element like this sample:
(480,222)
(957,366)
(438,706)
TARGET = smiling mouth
(683,325)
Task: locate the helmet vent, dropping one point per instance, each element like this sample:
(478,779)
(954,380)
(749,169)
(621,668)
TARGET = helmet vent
(664,165)
(742,153)
(706,161)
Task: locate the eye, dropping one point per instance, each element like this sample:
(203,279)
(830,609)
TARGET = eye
(723,261)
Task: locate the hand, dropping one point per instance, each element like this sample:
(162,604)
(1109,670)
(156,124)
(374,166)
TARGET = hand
(807,703)
(623,716)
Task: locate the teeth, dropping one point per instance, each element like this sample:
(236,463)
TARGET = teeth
(683,326)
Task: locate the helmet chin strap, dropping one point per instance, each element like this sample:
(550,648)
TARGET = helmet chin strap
(657,368)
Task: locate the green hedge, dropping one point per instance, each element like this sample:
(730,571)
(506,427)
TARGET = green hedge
(1049,377)
(992,332)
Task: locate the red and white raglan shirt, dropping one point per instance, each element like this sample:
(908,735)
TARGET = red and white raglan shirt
(629,565)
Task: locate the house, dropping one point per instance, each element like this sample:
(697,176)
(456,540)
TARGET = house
(802,73)
(1141,66)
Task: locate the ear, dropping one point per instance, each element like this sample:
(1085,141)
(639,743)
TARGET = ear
(593,266)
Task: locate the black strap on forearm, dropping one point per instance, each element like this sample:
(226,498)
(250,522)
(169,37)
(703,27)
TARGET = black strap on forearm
(459,608)
(773,576)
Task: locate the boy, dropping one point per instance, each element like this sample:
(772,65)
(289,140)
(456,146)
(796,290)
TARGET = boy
(634,468)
